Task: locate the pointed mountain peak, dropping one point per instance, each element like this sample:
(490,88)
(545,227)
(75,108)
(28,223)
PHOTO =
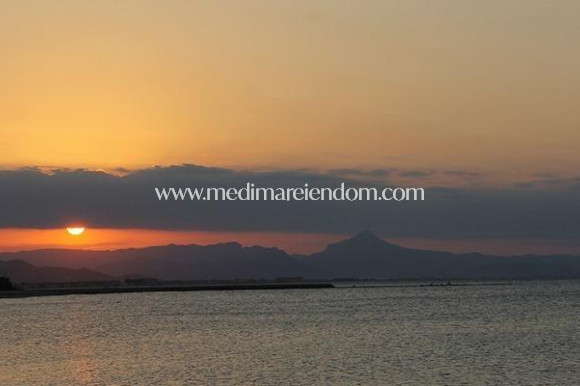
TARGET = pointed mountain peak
(365,240)
(366,235)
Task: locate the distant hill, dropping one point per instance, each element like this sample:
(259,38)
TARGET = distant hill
(362,256)
(22,272)
(173,262)
(367,256)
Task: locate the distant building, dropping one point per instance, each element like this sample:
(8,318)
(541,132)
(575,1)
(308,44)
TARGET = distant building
(5,284)
(142,281)
(289,279)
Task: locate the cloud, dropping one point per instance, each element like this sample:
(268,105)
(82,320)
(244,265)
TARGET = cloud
(414,173)
(463,173)
(35,198)
(359,173)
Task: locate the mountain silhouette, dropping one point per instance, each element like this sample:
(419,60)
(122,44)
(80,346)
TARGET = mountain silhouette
(363,255)
(22,272)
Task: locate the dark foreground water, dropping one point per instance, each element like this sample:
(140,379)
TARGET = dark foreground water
(527,333)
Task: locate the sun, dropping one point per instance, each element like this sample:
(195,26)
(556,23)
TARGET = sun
(75,231)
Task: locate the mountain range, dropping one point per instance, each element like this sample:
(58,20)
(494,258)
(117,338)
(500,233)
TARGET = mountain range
(22,272)
(363,256)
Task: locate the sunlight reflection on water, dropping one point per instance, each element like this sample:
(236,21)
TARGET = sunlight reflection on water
(525,333)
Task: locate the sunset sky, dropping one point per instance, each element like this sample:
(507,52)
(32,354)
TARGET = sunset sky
(479,97)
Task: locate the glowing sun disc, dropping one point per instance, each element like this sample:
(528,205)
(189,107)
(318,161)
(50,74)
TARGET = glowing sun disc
(75,231)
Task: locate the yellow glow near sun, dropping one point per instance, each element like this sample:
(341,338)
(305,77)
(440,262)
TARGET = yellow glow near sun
(75,231)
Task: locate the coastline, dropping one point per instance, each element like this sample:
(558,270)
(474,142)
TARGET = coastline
(15,294)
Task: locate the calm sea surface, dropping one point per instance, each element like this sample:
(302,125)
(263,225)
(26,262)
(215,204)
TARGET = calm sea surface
(526,333)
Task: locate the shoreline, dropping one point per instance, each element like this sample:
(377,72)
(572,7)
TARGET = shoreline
(56,291)
(16,294)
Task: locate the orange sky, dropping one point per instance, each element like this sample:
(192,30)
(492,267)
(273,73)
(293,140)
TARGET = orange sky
(101,239)
(21,239)
(290,84)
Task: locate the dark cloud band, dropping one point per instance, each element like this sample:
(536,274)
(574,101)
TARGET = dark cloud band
(31,198)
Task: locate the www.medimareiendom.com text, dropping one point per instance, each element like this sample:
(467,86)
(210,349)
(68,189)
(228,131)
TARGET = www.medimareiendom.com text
(250,192)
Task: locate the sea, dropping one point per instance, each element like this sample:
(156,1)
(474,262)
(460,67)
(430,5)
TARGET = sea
(500,333)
